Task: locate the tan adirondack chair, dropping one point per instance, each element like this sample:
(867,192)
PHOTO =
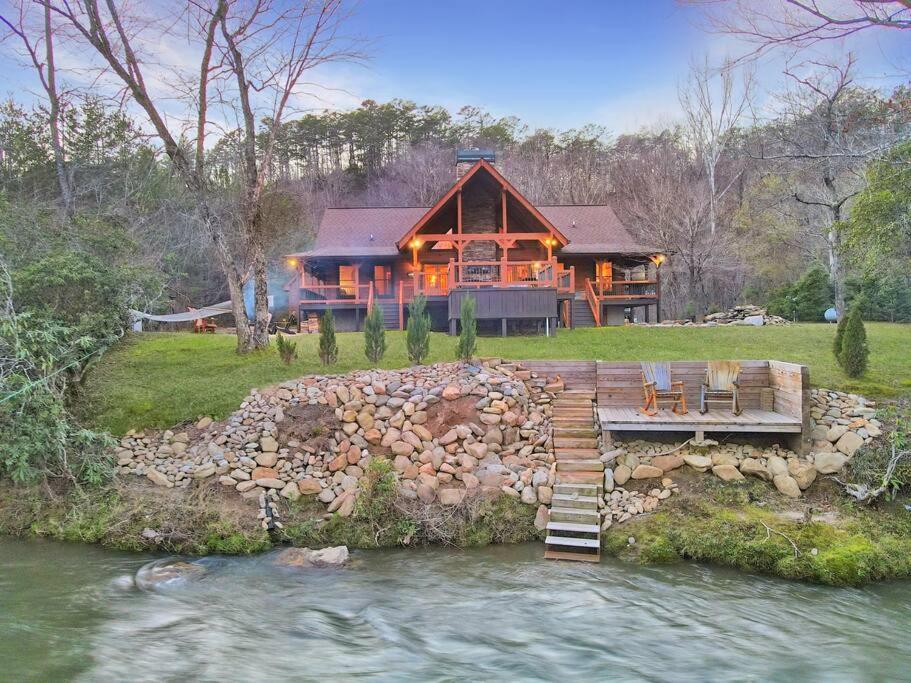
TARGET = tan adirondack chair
(659,386)
(721,384)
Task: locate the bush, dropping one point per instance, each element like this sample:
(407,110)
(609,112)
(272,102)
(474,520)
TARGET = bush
(328,347)
(374,335)
(468,338)
(839,335)
(854,351)
(417,337)
(287,350)
(806,300)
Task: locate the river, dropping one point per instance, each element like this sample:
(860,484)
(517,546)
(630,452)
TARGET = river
(498,613)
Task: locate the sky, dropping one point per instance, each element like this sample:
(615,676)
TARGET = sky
(562,63)
(553,63)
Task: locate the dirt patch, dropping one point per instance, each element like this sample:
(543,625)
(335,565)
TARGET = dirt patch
(443,416)
(312,425)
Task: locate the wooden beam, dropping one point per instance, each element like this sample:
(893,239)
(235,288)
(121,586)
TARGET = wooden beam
(489,236)
(459,212)
(503,205)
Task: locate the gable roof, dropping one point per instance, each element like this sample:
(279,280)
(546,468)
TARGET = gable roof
(479,165)
(590,229)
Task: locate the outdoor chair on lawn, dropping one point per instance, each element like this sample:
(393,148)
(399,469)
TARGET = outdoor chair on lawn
(721,384)
(659,386)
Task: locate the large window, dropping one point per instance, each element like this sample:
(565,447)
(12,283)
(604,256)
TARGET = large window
(346,281)
(382,280)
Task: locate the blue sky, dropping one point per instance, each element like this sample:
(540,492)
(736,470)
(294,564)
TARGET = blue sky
(553,63)
(559,63)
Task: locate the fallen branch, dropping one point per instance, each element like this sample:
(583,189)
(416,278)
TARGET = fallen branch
(769,531)
(863,493)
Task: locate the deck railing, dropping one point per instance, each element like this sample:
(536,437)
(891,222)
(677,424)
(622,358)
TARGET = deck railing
(593,302)
(608,288)
(335,294)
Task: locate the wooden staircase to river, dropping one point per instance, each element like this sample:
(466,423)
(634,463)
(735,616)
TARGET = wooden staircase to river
(574,524)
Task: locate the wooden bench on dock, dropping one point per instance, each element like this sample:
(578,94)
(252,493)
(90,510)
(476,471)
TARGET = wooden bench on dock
(774,396)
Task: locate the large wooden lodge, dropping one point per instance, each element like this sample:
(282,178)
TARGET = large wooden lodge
(529,268)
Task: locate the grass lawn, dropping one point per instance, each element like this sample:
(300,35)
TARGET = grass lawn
(158,379)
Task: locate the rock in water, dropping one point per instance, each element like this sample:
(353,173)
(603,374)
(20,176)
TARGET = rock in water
(335,556)
(166,572)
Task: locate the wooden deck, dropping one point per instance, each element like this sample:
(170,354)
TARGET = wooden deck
(750,420)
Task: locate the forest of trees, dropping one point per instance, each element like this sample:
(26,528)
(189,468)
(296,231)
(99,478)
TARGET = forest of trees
(744,209)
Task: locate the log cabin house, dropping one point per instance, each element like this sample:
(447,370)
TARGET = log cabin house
(529,268)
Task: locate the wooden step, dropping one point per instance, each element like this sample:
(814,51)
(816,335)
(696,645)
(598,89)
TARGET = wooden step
(574,527)
(575,557)
(590,478)
(577,453)
(575,442)
(575,501)
(590,394)
(582,489)
(580,466)
(580,411)
(575,432)
(571,421)
(578,515)
(574,542)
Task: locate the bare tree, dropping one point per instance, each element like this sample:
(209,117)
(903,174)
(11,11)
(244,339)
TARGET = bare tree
(798,24)
(828,132)
(712,115)
(251,58)
(32,26)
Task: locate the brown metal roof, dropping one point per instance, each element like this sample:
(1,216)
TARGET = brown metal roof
(374,231)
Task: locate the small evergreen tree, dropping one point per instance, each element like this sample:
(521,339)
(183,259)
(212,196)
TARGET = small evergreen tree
(468,338)
(374,335)
(328,348)
(287,350)
(839,335)
(854,351)
(417,336)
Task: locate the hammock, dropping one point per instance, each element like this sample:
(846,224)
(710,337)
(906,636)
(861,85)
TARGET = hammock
(188,316)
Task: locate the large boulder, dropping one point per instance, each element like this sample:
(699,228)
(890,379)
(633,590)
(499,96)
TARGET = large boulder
(803,472)
(755,468)
(647,472)
(161,573)
(787,485)
(727,473)
(622,474)
(666,463)
(849,443)
(305,557)
(700,463)
(830,463)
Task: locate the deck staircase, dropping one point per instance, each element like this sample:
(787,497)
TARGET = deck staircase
(390,311)
(574,524)
(582,312)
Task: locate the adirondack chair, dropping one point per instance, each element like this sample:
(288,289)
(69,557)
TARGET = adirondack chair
(657,385)
(721,384)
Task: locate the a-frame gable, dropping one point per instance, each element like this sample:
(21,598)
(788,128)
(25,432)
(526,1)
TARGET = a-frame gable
(460,183)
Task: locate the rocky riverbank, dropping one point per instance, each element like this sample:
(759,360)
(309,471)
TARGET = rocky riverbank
(450,430)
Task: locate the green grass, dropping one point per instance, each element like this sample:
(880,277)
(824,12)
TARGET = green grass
(158,379)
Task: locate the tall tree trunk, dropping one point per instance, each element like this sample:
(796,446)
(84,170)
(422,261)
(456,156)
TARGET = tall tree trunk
(63,176)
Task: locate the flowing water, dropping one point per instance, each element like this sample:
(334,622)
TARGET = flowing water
(499,613)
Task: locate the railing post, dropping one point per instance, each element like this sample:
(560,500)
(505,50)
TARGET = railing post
(401,305)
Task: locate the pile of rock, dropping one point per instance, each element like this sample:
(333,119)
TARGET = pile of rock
(502,445)
(738,315)
(841,422)
(620,505)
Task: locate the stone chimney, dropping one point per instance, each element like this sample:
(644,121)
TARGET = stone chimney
(466,158)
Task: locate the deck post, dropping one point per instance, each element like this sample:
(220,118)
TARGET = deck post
(503,327)
(452,327)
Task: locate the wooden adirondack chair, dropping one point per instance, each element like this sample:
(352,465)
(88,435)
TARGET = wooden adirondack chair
(721,384)
(657,385)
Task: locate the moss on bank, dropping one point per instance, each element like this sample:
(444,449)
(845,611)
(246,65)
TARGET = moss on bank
(743,526)
(203,520)
(847,546)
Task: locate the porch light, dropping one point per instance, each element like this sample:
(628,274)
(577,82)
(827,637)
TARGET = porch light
(415,244)
(292,263)
(658,259)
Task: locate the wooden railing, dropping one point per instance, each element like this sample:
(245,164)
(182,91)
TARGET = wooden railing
(608,288)
(335,294)
(370,297)
(504,273)
(593,301)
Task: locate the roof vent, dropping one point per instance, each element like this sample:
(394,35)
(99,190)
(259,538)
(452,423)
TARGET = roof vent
(474,154)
